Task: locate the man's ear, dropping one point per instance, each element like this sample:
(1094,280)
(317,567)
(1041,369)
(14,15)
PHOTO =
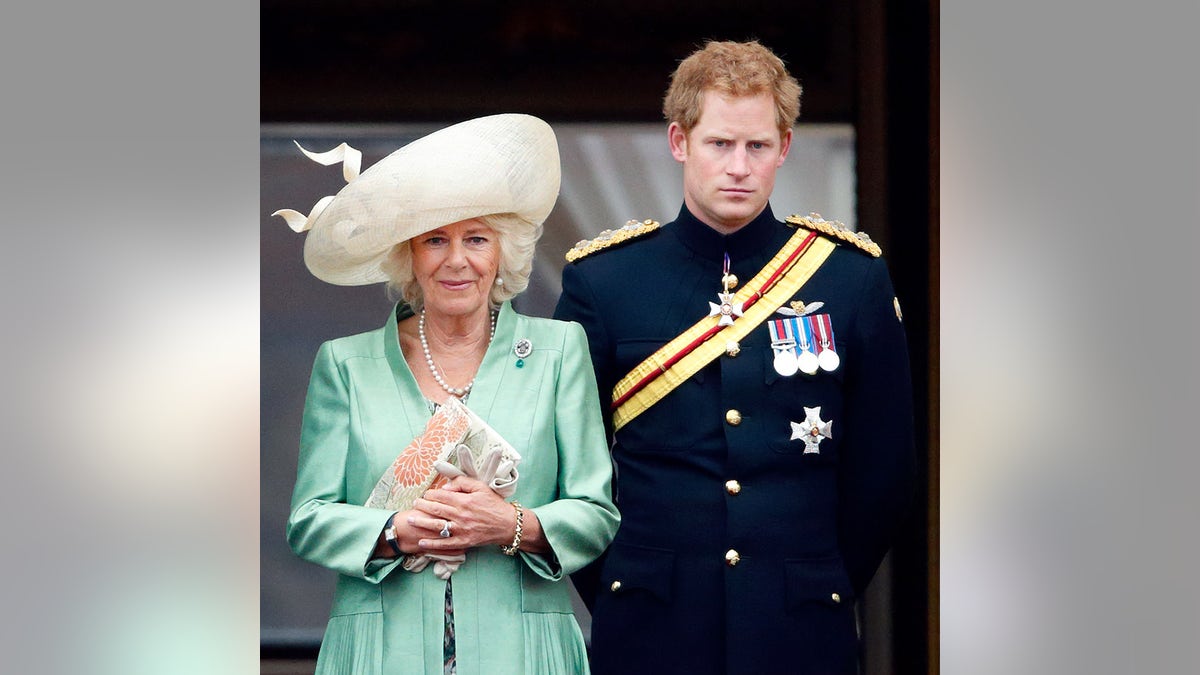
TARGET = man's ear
(678,141)
(787,145)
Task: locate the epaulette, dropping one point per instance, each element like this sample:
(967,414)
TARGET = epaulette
(608,238)
(837,230)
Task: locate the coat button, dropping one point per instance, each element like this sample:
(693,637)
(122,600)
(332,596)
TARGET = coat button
(616,586)
(733,417)
(732,557)
(835,597)
(733,487)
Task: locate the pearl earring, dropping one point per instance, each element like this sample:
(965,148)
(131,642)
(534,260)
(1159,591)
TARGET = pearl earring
(499,281)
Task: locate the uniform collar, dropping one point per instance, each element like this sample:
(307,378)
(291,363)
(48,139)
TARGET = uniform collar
(706,242)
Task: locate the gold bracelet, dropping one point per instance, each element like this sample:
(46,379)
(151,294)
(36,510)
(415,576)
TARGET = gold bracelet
(516,543)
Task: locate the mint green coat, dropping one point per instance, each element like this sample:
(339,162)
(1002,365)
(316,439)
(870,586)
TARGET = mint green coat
(511,614)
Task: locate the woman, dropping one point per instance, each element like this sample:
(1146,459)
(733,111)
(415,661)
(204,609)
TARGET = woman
(450,221)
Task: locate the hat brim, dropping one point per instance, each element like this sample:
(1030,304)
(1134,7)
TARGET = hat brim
(505,163)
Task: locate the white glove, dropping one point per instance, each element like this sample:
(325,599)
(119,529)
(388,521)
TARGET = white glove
(495,471)
(443,566)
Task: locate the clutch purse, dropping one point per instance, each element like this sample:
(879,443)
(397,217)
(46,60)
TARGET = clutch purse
(455,442)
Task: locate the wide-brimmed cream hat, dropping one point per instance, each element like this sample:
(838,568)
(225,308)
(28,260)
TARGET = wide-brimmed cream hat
(497,164)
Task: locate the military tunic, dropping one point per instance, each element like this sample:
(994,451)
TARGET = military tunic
(738,552)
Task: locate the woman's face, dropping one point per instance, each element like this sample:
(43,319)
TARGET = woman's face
(455,266)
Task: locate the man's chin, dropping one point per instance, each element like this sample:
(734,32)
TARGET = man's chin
(736,215)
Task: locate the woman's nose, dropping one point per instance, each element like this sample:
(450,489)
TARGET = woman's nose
(456,256)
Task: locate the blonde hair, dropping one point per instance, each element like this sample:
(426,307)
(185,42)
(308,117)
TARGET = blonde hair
(731,69)
(517,238)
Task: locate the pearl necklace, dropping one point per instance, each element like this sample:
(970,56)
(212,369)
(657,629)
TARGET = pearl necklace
(433,369)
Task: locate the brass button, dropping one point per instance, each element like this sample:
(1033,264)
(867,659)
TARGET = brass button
(835,597)
(733,487)
(732,557)
(733,417)
(616,586)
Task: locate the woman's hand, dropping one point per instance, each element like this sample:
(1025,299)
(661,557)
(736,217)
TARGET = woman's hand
(408,534)
(477,516)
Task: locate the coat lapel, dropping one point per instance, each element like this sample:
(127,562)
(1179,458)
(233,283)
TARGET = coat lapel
(489,381)
(410,402)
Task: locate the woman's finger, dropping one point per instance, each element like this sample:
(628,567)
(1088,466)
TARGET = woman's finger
(436,525)
(466,484)
(434,508)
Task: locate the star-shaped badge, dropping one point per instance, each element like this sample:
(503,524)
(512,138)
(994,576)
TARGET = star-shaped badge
(727,310)
(812,430)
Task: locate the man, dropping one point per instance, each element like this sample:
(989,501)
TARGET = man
(762,411)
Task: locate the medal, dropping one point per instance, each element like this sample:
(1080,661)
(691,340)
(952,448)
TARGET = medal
(786,363)
(827,358)
(812,430)
(727,309)
(783,343)
(807,361)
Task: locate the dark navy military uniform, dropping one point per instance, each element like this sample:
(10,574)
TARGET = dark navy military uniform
(738,552)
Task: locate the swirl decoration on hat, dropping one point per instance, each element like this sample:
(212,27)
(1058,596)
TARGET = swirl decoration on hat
(351,160)
(499,164)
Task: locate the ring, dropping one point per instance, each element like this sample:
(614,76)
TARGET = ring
(445,528)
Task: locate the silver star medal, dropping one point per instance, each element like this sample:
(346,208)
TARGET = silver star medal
(812,430)
(728,310)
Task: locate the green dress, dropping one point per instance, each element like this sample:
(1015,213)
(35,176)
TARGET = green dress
(511,614)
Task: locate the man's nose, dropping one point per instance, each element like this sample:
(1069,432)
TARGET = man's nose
(739,164)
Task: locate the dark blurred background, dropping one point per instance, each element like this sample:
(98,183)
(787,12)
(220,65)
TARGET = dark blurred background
(869,66)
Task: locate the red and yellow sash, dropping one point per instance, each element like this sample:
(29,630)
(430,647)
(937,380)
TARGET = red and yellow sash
(685,355)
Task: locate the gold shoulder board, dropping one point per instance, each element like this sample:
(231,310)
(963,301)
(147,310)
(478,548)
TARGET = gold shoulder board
(837,230)
(608,238)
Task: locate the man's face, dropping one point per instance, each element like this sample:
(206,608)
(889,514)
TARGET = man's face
(730,158)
